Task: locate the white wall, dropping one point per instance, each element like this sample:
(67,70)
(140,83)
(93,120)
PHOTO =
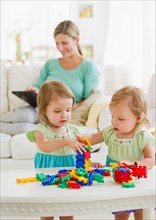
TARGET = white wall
(122,34)
(129,56)
(41,16)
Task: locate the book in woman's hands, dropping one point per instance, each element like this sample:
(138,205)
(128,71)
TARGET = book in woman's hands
(28,96)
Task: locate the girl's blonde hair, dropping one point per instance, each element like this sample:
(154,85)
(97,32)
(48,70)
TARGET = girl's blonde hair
(67,27)
(49,92)
(137,101)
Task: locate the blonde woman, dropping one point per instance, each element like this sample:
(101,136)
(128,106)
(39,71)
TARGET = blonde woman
(81,75)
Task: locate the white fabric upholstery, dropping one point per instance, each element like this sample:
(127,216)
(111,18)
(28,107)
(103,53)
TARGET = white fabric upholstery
(5,151)
(19,78)
(20,150)
(3,93)
(16,151)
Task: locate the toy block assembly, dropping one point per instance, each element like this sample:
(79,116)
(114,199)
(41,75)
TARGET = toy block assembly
(83,176)
(83,160)
(123,174)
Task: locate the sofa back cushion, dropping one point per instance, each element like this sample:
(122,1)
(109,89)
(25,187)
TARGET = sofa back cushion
(3,93)
(19,78)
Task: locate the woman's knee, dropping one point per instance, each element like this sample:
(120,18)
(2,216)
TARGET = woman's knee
(21,114)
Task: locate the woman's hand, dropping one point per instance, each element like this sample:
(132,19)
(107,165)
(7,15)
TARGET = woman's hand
(33,89)
(76,105)
(97,165)
(76,145)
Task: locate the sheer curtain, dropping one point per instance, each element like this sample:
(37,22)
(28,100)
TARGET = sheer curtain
(129,55)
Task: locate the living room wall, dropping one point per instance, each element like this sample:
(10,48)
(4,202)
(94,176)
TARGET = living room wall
(119,35)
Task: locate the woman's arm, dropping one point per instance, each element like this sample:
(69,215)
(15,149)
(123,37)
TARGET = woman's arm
(49,146)
(91,78)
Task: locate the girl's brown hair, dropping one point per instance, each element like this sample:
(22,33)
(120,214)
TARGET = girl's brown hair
(68,28)
(49,92)
(137,101)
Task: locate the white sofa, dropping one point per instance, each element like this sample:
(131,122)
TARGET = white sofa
(16,151)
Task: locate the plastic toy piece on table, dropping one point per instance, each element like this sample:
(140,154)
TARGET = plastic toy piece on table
(103,172)
(128,185)
(124,173)
(90,179)
(26,180)
(74,185)
(49,180)
(98,178)
(83,160)
(41,176)
(121,176)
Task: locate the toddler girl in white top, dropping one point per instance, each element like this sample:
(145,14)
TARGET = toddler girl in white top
(126,138)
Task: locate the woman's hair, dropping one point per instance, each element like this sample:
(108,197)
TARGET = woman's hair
(49,92)
(68,28)
(137,101)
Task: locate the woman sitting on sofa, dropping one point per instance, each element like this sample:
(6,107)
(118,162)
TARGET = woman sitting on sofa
(79,74)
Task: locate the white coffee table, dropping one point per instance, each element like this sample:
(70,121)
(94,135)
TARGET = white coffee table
(33,199)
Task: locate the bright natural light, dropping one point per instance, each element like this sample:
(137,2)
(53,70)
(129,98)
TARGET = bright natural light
(120,35)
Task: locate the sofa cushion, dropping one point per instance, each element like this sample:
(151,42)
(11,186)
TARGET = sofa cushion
(21,147)
(19,78)
(5,146)
(80,114)
(3,93)
(95,110)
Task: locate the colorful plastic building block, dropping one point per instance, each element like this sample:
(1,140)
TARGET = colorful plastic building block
(83,176)
(83,160)
(123,174)
(26,180)
(128,185)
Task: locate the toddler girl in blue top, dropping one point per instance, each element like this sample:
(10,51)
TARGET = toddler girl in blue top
(55,138)
(127,139)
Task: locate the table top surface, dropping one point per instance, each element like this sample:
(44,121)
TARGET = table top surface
(35,191)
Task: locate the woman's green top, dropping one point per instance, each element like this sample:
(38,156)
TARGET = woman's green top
(81,79)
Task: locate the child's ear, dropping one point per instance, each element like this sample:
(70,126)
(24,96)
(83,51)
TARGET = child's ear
(139,119)
(44,112)
(77,40)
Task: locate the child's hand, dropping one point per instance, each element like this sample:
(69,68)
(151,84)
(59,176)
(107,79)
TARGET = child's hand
(80,138)
(125,162)
(76,145)
(97,165)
